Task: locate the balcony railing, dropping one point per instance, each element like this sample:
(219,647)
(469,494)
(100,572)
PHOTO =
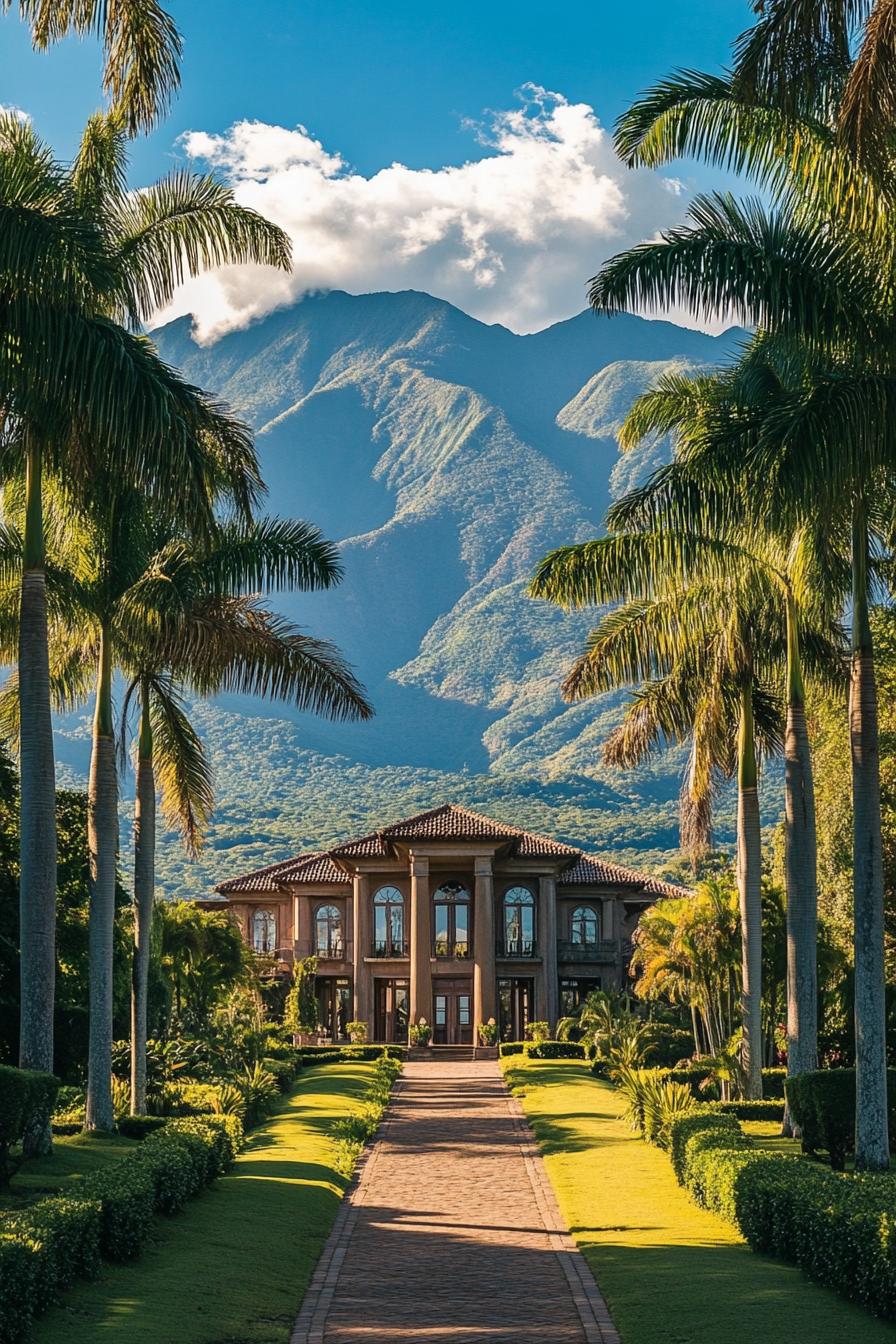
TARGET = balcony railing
(445,948)
(604,952)
(525,948)
(389,947)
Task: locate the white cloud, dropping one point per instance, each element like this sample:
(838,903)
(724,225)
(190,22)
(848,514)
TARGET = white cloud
(510,237)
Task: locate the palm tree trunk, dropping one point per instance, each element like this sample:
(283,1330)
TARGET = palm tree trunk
(749,885)
(872,1140)
(37,880)
(799,870)
(102,841)
(144,896)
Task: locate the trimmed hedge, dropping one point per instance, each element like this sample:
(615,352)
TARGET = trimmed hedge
(543,1049)
(347,1054)
(841,1230)
(823,1105)
(27,1098)
(682,1127)
(556,1050)
(138,1126)
(58,1239)
(750,1110)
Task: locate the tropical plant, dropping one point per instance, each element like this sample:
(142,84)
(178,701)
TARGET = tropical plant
(300,1015)
(259,1091)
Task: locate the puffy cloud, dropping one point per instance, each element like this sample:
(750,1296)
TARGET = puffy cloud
(510,237)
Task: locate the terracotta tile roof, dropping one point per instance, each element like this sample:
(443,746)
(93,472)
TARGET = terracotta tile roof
(368,847)
(313,867)
(590,870)
(448,822)
(263,879)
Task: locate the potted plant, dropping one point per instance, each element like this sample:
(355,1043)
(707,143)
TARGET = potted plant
(488,1032)
(357,1032)
(420,1033)
(538,1032)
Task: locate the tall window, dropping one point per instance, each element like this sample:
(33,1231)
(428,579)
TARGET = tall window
(264,931)
(328,932)
(519,922)
(451,910)
(388,923)
(585,926)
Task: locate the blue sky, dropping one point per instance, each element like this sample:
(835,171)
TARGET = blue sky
(379,83)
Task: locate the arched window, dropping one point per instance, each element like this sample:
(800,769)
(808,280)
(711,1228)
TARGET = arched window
(451,924)
(585,926)
(388,923)
(264,931)
(519,922)
(328,932)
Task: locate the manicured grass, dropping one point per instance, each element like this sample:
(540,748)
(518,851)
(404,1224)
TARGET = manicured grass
(671,1272)
(235,1264)
(73,1157)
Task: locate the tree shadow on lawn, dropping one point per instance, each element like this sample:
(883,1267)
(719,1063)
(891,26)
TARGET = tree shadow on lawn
(703,1293)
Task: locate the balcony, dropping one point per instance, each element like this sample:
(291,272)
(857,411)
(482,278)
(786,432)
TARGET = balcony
(384,949)
(602,953)
(517,949)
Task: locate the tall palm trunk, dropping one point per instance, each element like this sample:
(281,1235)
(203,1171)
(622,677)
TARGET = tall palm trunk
(749,886)
(799,870)
(37,882)
(144,896)
(872,1140)
(102,840)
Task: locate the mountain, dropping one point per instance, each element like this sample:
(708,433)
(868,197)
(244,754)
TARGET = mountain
(446,456)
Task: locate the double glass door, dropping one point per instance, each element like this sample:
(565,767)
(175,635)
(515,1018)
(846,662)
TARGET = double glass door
(514,1008)
(391,1012)
(452,1018)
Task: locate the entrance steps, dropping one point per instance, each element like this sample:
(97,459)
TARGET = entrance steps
(451,1054)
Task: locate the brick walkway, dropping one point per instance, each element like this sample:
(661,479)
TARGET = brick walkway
(451,1233)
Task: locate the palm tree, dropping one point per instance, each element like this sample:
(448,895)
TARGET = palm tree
(806,120)
(214,638)
(712,417)
(141,49)
(78,387)
(701,648)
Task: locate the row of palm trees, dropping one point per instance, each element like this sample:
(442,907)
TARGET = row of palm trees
(131,544)
(735,563)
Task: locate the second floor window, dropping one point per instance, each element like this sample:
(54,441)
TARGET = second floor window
(585,927)
(451,923)
(388,923)
(328,932)
(264,932)
(519,922)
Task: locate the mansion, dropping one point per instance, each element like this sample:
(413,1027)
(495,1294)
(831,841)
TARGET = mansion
(448,916)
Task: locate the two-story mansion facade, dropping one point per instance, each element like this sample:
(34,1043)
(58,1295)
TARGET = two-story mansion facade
(448,916)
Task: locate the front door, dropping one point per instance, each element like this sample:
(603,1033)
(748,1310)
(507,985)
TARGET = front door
(514,1008)
(452,1017)
(391,1012)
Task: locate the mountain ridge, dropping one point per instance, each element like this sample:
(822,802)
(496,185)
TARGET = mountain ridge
(445,456)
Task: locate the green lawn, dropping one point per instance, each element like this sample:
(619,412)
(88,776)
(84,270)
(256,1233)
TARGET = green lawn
(235,1264)
(671,1272)
(73,1157)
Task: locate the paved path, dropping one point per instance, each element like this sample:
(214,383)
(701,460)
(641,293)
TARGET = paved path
(452,1234)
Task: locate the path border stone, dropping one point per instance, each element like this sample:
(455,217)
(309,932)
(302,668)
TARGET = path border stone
(597,1324)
